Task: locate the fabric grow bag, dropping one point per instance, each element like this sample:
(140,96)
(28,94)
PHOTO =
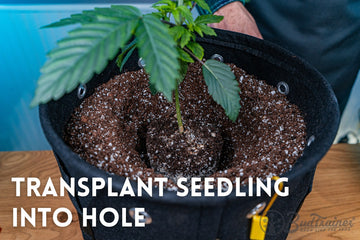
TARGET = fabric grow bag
(205,218)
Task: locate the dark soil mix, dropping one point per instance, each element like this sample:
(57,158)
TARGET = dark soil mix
(125,130)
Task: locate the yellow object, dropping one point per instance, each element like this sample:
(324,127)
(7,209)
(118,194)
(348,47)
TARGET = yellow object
(259,223)
(272,200)
(258,227)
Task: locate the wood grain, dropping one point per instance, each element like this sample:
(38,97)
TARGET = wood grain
(335,195)
(40,164)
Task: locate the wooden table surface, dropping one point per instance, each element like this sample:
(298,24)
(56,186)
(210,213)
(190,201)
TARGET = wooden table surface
(335,196)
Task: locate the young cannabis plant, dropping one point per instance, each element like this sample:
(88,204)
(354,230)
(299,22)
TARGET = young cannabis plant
(167,49)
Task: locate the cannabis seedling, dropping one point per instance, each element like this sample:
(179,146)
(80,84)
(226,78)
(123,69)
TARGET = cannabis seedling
(167,49)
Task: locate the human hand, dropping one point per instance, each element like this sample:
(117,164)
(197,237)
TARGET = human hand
(237,19)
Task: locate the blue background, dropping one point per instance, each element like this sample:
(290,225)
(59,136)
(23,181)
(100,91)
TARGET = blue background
(23,48)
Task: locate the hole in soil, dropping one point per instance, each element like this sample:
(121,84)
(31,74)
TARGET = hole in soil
(141,144)
(227,152)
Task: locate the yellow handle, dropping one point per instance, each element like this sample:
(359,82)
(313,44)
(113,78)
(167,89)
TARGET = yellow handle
(272,200)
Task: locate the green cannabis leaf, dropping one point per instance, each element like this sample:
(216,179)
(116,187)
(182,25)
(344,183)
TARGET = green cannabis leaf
(73,19)
(206,19)
(223,86)
(196,49)
(166,49)
(86,50)
(203,5)
(89,16)
(158,50)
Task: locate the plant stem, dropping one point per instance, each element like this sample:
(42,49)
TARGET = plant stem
(193,55)
(192,7)
(177,102)
(178,112)
(180,3)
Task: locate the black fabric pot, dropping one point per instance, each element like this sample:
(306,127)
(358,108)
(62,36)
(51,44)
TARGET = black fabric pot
(206,218)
